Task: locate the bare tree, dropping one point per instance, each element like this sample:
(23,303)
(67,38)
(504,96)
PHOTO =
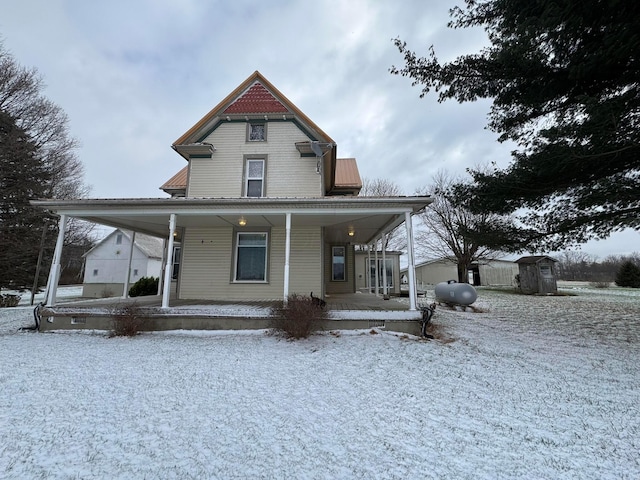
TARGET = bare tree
(445,225)
(381,187)
(44,126)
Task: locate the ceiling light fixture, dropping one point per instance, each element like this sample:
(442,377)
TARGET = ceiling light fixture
(242,221)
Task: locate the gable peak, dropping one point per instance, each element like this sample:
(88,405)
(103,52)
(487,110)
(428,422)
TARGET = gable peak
(255,99)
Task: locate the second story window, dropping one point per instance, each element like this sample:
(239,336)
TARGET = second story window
(254,183)
(257,132)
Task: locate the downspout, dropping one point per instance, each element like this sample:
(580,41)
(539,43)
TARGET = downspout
(287,255)
(54,273)
(411,268)
(167,271)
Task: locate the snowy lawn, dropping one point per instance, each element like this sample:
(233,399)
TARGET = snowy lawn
(534,387)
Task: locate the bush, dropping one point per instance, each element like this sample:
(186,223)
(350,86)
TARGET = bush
(144,286)
(628,275)
(9,300)
(599,284)
(299,317)
(127,321)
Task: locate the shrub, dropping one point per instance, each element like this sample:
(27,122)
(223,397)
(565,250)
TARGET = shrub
(9,300)
(127,320)
(299,317)
(599,284)
(628,275)
(144,286)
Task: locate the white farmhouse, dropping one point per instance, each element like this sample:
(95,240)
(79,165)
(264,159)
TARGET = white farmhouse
(107,263)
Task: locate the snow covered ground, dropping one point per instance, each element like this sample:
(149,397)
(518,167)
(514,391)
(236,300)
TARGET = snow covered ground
(533,387)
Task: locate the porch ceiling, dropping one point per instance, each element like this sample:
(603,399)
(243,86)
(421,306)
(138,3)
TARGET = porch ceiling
(365,217)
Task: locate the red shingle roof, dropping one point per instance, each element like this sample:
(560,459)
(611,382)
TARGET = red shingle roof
(257,99)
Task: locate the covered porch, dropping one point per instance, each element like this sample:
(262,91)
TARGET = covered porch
(337,220)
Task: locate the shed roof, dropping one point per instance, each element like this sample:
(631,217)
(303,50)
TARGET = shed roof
(535,259)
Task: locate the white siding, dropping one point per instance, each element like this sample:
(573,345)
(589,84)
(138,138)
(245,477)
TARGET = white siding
(287,174)
(112,261)
(207,265)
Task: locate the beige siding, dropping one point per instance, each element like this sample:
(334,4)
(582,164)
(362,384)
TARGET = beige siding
(287,174)
(347,286)
(207,264)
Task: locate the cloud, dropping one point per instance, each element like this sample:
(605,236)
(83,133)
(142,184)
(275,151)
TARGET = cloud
(134,76)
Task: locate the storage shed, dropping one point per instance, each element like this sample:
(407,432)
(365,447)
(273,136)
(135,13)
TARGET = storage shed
(537,274)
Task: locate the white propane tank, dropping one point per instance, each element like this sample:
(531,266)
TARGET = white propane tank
(455,293)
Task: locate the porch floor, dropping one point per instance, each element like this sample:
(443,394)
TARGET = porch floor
(335,302)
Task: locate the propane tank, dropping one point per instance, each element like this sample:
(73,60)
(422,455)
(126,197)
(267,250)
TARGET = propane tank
(455,293)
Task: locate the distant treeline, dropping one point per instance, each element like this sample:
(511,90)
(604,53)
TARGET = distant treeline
(581,266)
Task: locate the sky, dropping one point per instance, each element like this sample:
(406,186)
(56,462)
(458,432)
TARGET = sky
(134,75)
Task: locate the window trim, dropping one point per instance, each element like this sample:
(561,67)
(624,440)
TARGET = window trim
(245,176)
(248,131)
(333,263)
(236,245)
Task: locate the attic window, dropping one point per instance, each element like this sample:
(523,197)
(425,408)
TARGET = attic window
(257,132)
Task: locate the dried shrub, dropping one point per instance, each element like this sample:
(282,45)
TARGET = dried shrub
(299,317)
(128,320)
(599,284)
(9,300)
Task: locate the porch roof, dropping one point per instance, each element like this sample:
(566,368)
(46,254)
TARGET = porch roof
(365,217)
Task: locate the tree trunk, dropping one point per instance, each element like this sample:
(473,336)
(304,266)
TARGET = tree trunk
(463,274)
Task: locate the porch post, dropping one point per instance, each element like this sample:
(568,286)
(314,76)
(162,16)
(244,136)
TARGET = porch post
(125,290)
(162,266)
(411,268)
(385,289)
(166,292)
(377,271)
(54,272)
(368,269)
(287,255)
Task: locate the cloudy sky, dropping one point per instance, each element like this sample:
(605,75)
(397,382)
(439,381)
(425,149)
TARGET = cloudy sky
(134,75)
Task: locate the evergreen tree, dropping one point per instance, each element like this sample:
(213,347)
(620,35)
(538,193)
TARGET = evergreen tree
(564,79)
(23,176)
(628,275)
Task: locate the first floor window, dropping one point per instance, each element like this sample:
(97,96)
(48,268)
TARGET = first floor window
(251,257)
(177,251)
(338,272)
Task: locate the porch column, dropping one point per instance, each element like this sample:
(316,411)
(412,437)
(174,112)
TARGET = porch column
(411,268)
(287,255)
(162,267)
(125,290)
(368,269)
(166,292)
(54,272)
(377,271)
(385,289)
